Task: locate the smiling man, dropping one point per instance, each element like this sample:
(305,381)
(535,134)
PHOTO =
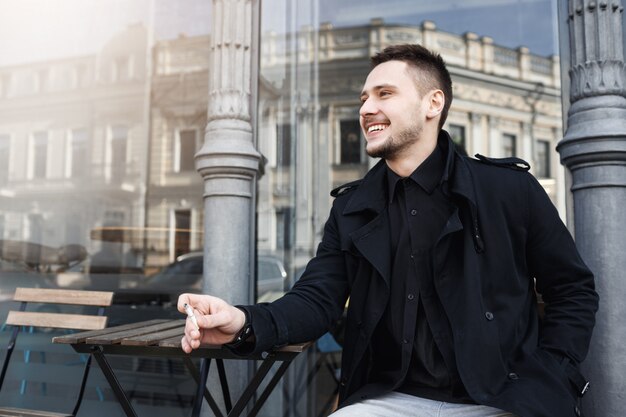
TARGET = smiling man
(441,256)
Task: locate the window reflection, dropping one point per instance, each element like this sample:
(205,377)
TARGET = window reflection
(98,186)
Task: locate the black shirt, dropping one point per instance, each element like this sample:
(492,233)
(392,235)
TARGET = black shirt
(412,345)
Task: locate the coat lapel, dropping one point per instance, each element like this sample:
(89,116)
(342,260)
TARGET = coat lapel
(369,202)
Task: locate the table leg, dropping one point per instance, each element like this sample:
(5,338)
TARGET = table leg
(252,387)
(113,382)
(269,388)
(197,376)
(224,383)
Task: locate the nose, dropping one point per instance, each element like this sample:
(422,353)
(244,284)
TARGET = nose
(368,108)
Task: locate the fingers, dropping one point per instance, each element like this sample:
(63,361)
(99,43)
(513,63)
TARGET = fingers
(212,321)
(186,299)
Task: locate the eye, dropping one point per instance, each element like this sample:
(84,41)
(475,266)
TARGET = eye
(384,93)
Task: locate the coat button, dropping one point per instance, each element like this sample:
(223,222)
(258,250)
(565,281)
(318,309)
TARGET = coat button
(513,376)
(410,296)
(489,315)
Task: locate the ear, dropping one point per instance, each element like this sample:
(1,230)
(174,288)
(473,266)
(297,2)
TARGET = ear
(436,101)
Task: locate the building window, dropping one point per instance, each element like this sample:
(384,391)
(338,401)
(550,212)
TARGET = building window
(42,79)
(121,69)
(5,85)
(5,149)
(283,145)
(351,149)
(542,163)
(283,228)
(457,133)
(118,154)
(182,232)
(185,148)
(508,145)
(40,155)
(78,153)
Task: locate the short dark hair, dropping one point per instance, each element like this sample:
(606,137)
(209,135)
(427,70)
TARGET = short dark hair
(432,72)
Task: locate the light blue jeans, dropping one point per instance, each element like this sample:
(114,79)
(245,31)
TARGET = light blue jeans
(399,404)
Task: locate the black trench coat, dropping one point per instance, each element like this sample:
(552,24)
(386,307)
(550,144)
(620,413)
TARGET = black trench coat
(503,233)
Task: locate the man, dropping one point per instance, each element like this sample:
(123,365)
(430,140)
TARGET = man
(440,255)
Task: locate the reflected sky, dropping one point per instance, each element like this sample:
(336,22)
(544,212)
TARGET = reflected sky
(36,30)
(511,23)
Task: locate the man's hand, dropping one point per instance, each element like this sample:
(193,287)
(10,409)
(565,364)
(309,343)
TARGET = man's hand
(219,322)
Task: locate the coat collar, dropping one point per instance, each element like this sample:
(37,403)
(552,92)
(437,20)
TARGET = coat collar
(371,194)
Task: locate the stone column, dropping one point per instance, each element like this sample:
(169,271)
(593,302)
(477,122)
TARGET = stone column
(594,150)
(229,162)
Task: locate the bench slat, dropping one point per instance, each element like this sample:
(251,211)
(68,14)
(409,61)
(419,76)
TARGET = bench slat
(21,412)
(57,320)
(58,296)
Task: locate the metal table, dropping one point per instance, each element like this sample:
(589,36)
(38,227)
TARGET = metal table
(161,338)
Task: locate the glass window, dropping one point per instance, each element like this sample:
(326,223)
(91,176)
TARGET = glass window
(186,147)
(314,59)
(92,94)
(283,144)
(457,133)
(5,149)
(39,160)
(79,158)
(509,143)
(182,232)
(351,147)
(542,162)
(118,153)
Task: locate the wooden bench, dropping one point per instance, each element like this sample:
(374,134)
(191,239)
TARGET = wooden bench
(55,320)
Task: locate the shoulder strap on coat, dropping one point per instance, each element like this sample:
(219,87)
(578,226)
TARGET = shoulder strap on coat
(511,163)
(342,189)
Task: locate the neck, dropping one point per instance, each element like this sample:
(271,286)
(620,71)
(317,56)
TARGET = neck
(408,161)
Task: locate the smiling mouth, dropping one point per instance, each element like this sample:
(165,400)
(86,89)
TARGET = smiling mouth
(376,128)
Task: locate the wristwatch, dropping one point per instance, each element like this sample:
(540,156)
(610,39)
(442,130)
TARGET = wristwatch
(243,334)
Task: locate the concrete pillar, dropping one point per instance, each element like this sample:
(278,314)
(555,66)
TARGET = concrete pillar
(594,150)
(228,163)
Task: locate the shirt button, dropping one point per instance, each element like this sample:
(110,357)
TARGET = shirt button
(413,212)
(513,376)
(405,341)
(410,296)
(489,315)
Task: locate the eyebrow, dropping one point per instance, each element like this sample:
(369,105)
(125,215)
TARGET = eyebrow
(378,88)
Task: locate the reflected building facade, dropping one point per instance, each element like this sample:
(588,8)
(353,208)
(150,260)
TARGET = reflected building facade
(99,150)
(73,143)
(115,134)
(506,103)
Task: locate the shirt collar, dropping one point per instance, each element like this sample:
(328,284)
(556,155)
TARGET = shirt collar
(428,175)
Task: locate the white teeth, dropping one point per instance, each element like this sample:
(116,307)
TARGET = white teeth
(375,128)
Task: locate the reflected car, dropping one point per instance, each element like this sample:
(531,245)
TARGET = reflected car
(185,275)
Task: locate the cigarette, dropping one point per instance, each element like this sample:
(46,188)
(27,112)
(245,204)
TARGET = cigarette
(190,315)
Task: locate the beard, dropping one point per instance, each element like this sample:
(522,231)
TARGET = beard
(394,146)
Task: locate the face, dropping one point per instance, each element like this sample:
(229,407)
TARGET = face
(392,111)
